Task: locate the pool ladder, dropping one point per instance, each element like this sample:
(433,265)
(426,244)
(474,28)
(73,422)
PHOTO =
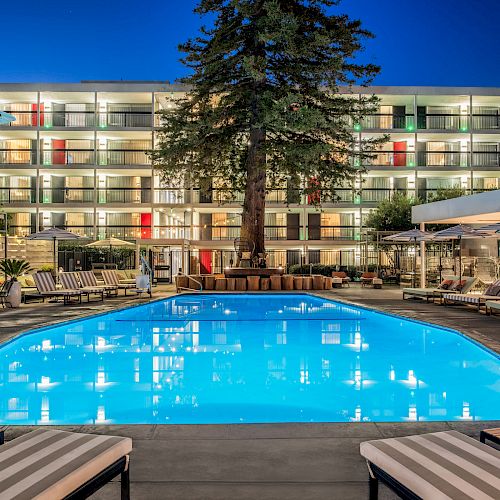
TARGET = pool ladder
(190,278)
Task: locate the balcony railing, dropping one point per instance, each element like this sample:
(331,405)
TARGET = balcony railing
(486,159)
(125,119)
(67,195)
(392,159)
(388,121)
(23,119)
(443,159)
(440,121)
(123,157)
(124,195)
(17,195)
(68,119)
(68,157)
(333,233)
(486,121)
(17,157)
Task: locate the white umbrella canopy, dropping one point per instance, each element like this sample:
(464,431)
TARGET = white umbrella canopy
(110,242)
(53,234)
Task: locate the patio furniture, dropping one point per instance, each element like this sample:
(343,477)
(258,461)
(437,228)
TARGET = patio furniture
(336,282)
(47,288)
(438,465)
(70,282)
(446,286)
(377,282)
(54,464)
(89,279)
(492,435)
(111,278)
(492,307)
(367,278)
(4,292)
(343,276)
(244,252)
(492,293)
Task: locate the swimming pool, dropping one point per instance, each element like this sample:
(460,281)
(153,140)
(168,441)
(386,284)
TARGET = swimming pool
(231,358)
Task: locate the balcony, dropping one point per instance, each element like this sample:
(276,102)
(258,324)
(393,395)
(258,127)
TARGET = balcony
(392,159)
(17,195)
(443,121)
(23,119)
(124,195)
(125,119)
(62,156)
(67,195)
(68,119)
(387,122)
(17,157)
(486,121)
(443,159)
(486,159)
(123,157)
(341,233)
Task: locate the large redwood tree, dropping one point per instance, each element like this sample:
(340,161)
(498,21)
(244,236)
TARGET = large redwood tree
(263,108)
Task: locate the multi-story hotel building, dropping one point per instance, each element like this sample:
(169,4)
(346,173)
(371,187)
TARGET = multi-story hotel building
(76,157)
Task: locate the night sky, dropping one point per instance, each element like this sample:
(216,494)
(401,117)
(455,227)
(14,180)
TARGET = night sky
(419,42)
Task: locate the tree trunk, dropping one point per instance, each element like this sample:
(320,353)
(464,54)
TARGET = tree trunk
(254,206)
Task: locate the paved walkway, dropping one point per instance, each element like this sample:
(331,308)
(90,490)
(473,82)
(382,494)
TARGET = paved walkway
(264,461)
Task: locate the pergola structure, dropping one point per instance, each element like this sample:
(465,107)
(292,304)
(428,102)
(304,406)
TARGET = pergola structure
(476,209)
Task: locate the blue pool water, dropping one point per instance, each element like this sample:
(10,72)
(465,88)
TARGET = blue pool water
(245,358)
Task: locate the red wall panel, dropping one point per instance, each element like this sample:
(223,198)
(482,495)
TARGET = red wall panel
(400,158)
(146,226)
(58,157)
(206,261)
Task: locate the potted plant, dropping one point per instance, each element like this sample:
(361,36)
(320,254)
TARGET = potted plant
(13,268)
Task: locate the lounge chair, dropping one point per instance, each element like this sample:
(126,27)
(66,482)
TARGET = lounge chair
(4,292)
(88,278)
(438,465)
(492,307)
(367,278)
(70,282)
(111,278)
(47,288)
(53,464)
(492,293)
(449,285)
(343,276)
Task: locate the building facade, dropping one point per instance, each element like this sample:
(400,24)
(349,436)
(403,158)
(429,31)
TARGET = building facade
(76,157)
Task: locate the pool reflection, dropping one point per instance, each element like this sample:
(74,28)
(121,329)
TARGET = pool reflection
(213,361)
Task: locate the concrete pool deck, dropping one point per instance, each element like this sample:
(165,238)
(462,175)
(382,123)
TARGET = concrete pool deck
(265,461)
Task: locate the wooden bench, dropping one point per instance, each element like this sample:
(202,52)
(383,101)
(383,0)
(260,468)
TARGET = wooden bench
(438,465)
(50,464)
(492,435)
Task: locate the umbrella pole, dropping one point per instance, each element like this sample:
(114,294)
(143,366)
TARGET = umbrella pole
(55,258)
(414,264)
(460,257)
(440,262)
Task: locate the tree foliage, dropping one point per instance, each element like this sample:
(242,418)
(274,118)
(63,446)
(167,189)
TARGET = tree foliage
(263,109)
(392,214)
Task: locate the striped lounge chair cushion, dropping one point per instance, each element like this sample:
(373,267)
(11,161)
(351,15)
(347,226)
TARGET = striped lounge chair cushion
(69,281)
(111,278)
(440,465)
(89,280)
(468,298)
(50,464)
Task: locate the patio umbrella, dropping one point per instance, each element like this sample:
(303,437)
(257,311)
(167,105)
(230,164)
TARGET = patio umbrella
(459,233)
(110,242)
(53,234)
(6,118)
(413,235)
(491,228)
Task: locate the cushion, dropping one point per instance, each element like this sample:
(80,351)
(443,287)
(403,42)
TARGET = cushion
(438,465)
(56,462)
(458,285)
(122,275)
(246,255)
(493,289)
(445,284)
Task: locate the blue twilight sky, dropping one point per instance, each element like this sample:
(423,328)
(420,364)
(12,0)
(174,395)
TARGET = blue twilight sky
(419,42)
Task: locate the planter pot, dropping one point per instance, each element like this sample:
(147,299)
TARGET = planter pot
(14,297)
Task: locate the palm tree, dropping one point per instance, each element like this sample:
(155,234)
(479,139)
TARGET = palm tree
(14,268)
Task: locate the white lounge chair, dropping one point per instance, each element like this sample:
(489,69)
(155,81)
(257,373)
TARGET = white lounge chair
(437,466)
(49,464)
(492,293)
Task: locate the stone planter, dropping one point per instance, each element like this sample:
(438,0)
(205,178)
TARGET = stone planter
(14,297)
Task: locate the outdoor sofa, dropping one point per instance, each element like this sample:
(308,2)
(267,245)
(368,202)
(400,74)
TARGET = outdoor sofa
(439,465)
(449,285)
(50,464)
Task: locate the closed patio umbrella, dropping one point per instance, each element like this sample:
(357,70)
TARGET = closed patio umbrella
(459,232)
(53,234)
(413,235)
